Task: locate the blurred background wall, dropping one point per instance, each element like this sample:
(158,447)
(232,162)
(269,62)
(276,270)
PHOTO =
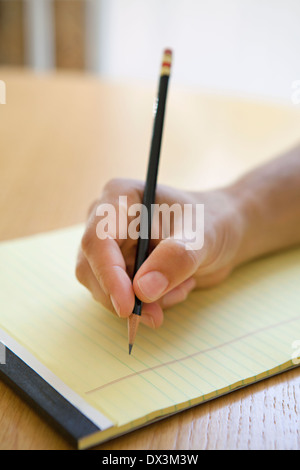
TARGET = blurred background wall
(249,47)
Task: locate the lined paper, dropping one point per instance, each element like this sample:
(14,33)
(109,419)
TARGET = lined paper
(216,341)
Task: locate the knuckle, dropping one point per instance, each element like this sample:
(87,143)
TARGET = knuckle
(191,256)
(112,185)
(186,258)
(127,187)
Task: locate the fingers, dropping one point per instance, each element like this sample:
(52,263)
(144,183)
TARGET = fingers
(101,264)
(169,265)
(178,294)
(152,313)
(105,263)
(104,259)
(87,278)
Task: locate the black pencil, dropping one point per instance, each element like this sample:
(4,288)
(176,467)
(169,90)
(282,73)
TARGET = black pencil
(150,188)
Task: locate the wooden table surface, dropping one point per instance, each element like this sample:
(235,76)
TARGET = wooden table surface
(62,136)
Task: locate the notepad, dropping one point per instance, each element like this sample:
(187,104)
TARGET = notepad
(69,356)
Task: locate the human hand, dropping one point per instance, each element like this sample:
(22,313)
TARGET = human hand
(171,271)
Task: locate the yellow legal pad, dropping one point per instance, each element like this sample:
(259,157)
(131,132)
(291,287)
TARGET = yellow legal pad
(216,341)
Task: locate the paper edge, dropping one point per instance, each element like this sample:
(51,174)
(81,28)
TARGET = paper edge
(78,402)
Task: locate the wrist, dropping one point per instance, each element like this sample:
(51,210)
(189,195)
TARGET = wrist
(250,211)
(227,224)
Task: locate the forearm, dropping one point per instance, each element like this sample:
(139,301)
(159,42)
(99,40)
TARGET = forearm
(268,199)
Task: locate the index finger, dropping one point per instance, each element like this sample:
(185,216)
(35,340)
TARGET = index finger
(106,260)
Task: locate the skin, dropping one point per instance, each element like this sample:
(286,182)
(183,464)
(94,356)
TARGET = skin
(254,216)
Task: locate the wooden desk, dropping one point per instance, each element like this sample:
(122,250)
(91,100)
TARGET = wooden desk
(62,137)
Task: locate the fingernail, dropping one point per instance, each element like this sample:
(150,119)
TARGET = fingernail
(153,284)
(148,320)
(115,305)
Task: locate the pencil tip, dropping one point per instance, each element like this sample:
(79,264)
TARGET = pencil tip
(130,348)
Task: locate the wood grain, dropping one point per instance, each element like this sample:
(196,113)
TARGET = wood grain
(62,137)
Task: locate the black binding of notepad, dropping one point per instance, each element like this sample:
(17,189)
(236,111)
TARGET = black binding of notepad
(45,400)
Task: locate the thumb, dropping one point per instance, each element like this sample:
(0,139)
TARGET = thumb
(169,264)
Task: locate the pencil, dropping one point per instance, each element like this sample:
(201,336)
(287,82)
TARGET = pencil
(150,188)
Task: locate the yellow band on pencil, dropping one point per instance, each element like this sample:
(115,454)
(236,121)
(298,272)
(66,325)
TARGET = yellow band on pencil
(166,62)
